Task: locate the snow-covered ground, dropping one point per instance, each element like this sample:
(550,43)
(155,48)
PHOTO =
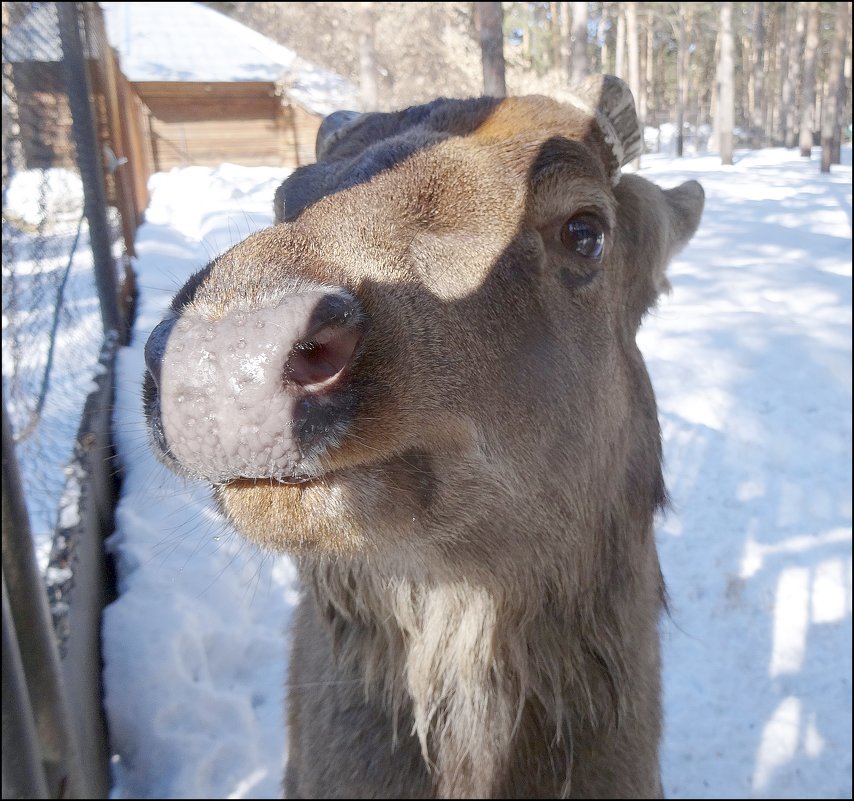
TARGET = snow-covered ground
(47,261)
(751,359)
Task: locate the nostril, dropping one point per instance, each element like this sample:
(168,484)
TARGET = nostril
(318,362)
(155,347)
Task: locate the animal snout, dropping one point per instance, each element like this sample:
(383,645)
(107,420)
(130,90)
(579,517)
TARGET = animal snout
(255,392)
(156,345)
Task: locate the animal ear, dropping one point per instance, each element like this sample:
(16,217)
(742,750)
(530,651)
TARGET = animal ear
(609,101)
(332,129)
(686,203)
(654,225)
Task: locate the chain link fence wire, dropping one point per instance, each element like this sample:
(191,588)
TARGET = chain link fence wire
(52,329)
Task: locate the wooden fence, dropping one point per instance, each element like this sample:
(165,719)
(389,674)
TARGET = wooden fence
(125,117)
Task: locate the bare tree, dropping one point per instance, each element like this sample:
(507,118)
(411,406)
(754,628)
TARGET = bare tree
(602,36)
(649,66)
(793,77)
(830,125)
(702,64)
(777,50)
(715,96)
(554,29)
(580,67)
(490,19)
(367,58)
(786,61)
(757,89)
(681,78)
(725,85)
(744,95)
(845,89)
(665,51)
(633,46)
(565,21)
(808,93)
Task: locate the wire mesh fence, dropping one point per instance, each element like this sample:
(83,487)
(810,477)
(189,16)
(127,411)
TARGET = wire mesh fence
(71,204)
(52,319)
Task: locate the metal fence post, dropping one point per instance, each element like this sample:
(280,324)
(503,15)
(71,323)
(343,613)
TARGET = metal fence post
(90,162)
(23,774)
(36,642)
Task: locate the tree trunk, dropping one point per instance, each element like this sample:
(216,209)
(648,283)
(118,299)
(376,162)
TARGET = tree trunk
(843,94)
(602,36)
(757,86)
(774,82)
(831,121)
(634,60)
(681,79)
(649,93)
(808,93)
(633,46)
(726,85)
(642,85)
(715,96)
(791,96)
(620,46)
(785,64)
(554,30)
(566,40)
(367,58)
(845,88)
(490,19)
(526,39)
(580,67)
(746,89)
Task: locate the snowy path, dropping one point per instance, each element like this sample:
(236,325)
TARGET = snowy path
(751,360)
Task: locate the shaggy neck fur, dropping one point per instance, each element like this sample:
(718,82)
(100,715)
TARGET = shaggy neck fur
(469,664)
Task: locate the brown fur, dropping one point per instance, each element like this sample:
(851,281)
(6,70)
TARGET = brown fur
(482,589)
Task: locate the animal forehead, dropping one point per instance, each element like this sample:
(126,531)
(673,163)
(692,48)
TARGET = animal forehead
(533,116)
(457,147)
(484,117)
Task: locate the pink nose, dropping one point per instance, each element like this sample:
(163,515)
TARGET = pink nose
(231,389)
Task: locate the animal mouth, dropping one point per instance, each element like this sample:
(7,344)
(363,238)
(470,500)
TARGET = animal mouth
(321,477)
(285,481)
(296,480)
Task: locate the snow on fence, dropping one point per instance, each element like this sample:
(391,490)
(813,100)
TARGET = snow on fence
(74,190)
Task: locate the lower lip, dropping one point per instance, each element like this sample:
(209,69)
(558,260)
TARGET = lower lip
(271,481)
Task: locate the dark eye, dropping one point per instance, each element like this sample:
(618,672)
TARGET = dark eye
(584,235)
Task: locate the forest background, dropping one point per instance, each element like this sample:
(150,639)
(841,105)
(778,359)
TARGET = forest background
(724,75)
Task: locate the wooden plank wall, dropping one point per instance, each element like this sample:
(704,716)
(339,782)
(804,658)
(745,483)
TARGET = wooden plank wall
(161,125)
(46,130)
(124,117)
(210,123)
(43,114)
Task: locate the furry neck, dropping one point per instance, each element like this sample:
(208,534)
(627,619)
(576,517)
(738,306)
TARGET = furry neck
(463,665)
